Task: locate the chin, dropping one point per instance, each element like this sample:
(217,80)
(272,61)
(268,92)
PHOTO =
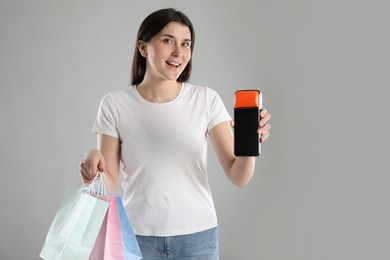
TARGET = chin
(173,78)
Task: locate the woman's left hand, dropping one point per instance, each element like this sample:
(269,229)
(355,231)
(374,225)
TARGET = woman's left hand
(264,127)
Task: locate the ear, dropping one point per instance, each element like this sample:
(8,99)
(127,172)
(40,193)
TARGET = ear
(141,45)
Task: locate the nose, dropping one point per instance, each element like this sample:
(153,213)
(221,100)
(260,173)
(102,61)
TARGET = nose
(176,51)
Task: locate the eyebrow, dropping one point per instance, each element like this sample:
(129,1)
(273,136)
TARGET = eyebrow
(171,36)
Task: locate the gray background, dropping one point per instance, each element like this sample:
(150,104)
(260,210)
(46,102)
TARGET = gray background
(321,187)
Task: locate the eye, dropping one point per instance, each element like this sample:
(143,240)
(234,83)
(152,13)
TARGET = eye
(168,41)
(186,44)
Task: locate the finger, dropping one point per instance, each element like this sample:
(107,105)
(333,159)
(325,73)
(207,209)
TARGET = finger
(264,129)
(85,179)
(231,123)
(93,167)
(263,111)
(102,165)
(84,173)
(264,119)
(264,137)
(83,169)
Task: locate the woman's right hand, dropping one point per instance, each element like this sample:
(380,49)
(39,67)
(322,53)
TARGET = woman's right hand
(89,166)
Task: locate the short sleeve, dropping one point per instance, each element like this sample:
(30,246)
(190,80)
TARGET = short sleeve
(107,118)
(216,109)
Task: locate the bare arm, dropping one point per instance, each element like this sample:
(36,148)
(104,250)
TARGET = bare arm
(239,170)
(110,148)
(105,158)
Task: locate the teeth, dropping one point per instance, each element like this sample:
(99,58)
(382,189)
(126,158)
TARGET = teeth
(174,64)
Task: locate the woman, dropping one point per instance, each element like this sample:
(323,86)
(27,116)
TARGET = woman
(158,128)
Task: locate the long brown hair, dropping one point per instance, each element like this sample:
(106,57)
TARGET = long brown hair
(151,26)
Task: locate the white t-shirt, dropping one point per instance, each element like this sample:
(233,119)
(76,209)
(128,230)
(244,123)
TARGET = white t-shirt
(164,156)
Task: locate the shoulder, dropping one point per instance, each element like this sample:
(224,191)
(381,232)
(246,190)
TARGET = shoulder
(116,95)
(200,90)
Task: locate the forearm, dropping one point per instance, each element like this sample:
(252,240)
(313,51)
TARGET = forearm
(241,170)
(112,180)
(110,150)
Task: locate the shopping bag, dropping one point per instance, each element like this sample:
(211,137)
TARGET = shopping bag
(130,244)
(74,229)
(116,239)
(109,245)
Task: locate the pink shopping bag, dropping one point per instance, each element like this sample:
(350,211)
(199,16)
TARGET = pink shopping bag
(109,244)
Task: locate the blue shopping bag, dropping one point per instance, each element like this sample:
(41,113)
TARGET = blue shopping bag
(130,243)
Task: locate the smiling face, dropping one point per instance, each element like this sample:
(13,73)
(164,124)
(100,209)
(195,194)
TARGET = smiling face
(168,52)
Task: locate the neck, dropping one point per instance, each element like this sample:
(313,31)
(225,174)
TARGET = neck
(159,91)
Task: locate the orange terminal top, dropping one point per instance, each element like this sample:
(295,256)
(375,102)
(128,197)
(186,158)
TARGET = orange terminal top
(246,98)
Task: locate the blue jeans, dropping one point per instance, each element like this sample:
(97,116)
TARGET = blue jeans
(200,246)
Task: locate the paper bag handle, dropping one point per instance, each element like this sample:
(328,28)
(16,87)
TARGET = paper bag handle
(99,185)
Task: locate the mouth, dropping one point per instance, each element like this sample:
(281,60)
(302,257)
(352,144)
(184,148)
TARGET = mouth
(173,64)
